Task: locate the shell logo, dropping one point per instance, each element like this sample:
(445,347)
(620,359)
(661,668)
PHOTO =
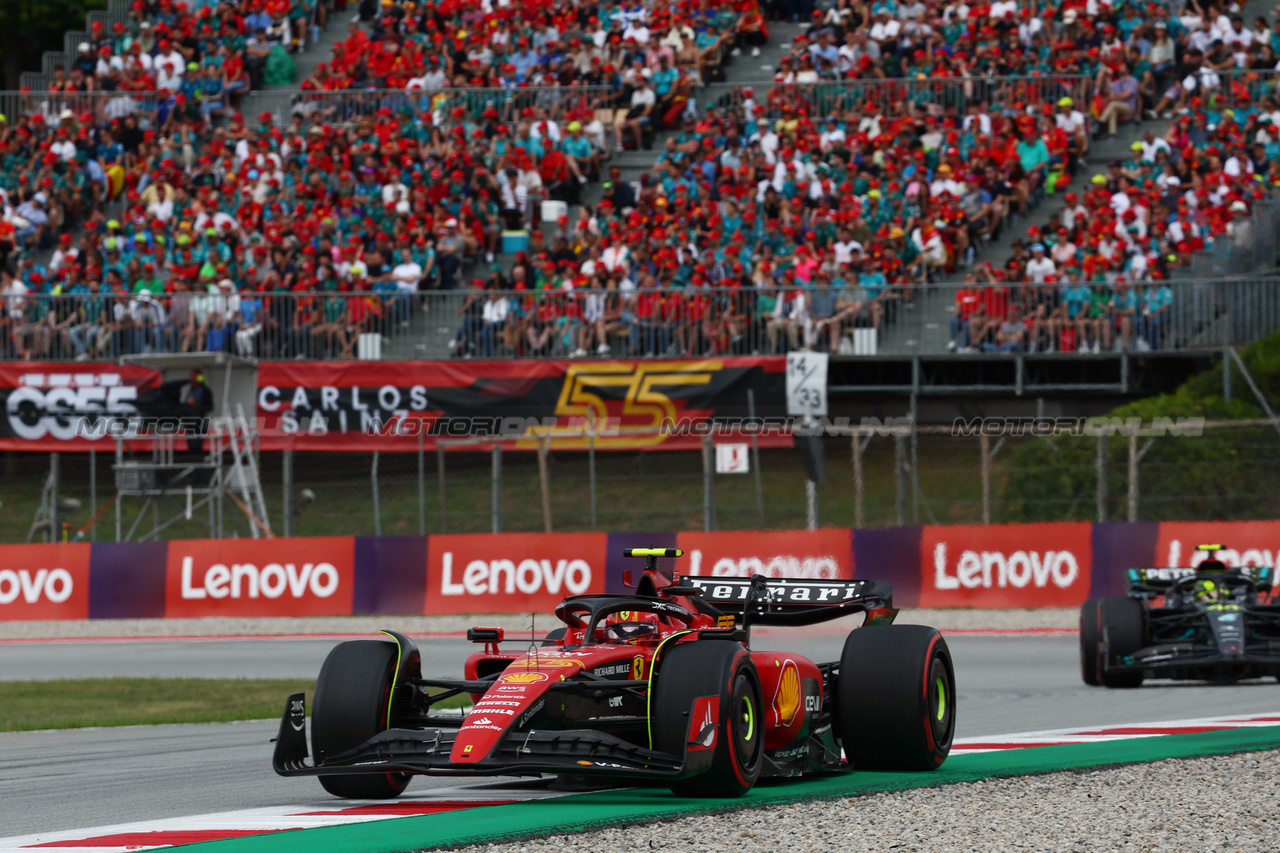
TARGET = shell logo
(523,677)
(544,663)
(786,701)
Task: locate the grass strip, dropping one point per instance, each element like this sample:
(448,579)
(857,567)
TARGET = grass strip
(589,811)
(83,702)
(77,703)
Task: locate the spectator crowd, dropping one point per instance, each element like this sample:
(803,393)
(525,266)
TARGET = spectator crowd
(895,142)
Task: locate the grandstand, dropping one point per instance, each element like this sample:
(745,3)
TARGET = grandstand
(873,181)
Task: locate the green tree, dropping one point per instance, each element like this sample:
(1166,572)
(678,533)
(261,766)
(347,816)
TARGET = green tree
(30,27)
(1221,474)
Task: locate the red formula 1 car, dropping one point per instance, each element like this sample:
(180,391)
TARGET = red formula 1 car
(661,685)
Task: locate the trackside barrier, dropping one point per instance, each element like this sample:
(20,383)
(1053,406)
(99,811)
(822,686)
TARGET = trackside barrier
(994,566)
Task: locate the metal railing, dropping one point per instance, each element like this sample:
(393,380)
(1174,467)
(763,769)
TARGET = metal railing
(351,104)
(891,97)
(645,323)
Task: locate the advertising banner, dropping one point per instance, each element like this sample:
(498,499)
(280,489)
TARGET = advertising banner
(998,566)
(264,577)
(71,406)
(362,406)
(512,572)
(1011,565)
(44,582)
(811,554)
(1244,543)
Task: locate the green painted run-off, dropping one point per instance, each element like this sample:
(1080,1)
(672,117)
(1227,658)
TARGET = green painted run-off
(585,811)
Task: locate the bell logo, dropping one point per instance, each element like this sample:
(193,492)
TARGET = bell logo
(988,569)
(485,577)
(54,585)
(245,580)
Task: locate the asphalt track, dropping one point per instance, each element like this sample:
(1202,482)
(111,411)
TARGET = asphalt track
(69,779)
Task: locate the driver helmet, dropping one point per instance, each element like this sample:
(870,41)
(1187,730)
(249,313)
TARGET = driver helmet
(630,626)
(1205,590)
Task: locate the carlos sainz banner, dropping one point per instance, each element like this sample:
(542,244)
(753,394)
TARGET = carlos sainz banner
(365,406)
(629,405)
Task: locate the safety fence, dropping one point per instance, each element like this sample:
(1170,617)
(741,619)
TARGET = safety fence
(873,475)
(645,322)
(997,566)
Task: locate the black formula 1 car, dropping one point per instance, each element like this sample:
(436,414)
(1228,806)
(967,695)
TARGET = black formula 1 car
(1210,622)
(660,685)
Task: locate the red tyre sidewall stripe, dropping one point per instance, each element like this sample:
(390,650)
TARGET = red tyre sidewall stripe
(928,723)
(727,719)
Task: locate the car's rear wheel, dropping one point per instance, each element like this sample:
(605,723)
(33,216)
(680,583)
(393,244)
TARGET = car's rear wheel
(352,703)
(1089,639)
(896,698)
(1122,623)
(724,671)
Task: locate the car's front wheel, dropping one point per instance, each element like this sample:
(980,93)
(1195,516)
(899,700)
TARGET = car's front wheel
(707,696)
(1122,623)
(352,704)
(1090,637)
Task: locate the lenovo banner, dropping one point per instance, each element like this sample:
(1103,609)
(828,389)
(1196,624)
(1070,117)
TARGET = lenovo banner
(1012,565)
(998,566)
(393,405)
(264,577)
(512,572)
(44,582)
(809,554)
(73,406)
(1244,543)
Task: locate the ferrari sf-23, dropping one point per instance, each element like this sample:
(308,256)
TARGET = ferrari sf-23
(661,685)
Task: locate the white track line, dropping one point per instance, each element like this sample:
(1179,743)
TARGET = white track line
(330,813)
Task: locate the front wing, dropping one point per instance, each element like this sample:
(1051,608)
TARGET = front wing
(426,751)
(1198,660)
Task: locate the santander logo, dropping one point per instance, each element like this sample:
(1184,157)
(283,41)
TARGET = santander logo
(53,585)
(529,576)
(989,569)
(246,580)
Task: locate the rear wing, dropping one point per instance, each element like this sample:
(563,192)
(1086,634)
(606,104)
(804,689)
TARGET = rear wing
(1158,581)
(789,601)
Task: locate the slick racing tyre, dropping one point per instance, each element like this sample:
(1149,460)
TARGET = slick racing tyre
(1121,624)
(351,705)
(1090,637)
(690,673)
(895,698)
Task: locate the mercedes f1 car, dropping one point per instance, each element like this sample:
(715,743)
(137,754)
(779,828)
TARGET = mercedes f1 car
(661,685)
(1210,622)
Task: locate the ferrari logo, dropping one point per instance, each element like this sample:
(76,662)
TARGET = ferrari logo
(466,749)
(637,668)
